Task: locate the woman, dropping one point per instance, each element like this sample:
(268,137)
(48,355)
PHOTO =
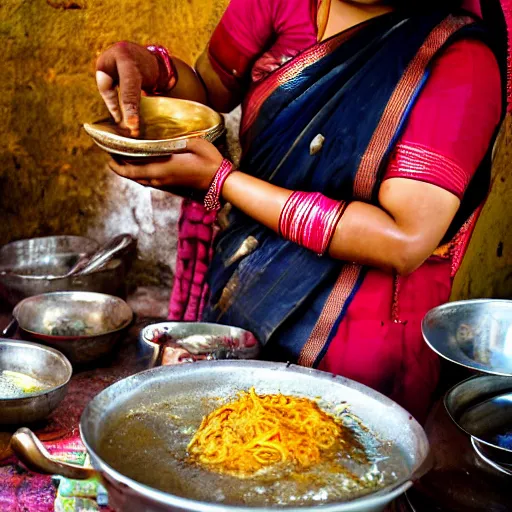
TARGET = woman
(367,129)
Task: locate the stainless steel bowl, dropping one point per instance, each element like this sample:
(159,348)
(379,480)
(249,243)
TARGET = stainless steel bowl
(42,363)
(187,342)
(476,334)
(83,325)
(482,407)
(32,267)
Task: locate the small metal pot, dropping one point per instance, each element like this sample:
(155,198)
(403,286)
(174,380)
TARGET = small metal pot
(35,266)
(42,363)
(482,407)
(105,316)
(187,342)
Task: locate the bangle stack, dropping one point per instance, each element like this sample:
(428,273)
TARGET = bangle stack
(310,220)
(212,198)
(167,76)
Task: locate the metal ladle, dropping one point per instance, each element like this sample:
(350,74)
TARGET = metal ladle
(91,263)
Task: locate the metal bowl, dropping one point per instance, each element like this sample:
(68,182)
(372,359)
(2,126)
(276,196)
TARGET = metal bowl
(186,342)
(165,124)
(482,407)
(476,334)
(83,325)
(42,363)
(31,267)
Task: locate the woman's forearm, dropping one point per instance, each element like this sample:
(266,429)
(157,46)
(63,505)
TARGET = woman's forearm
(189,86)
(366,234)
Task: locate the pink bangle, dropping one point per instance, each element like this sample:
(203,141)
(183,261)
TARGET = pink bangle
(310,220)
(167,76)
(212,197)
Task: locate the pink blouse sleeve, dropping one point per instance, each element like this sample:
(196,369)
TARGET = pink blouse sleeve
(453,120)
(242,34)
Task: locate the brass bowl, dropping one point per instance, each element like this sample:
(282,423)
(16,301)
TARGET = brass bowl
(165,124)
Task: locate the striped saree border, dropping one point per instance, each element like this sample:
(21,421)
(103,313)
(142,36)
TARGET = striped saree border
(283,75)
(392,116)
(337,299)
(366,176)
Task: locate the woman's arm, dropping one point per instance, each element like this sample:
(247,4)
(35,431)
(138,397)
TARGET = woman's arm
(399,236)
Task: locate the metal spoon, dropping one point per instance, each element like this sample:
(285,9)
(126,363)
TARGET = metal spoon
(91,263)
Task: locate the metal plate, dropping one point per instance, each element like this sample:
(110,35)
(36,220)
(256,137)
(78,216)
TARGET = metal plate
(476,334)
(223,378)
(165,124)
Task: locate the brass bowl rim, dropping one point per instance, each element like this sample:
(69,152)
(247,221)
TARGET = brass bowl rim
(141,143)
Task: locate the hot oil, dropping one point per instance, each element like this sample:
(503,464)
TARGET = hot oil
(19,385)
(150,446)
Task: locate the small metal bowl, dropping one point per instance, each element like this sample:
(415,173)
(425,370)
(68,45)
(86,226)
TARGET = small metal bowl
(171,343)
(31,267)
(476,334)
(165,124)
(83,325)
(482,407)
(42,363)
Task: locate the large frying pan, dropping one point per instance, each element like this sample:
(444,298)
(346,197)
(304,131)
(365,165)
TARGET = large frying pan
(223,378)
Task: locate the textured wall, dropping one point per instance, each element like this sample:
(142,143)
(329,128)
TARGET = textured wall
(487,268)
(53,178)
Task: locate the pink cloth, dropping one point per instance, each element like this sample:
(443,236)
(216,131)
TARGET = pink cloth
(196,234)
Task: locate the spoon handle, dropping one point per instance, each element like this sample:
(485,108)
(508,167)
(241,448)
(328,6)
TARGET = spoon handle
(35,456)
(113,248)
(11,328)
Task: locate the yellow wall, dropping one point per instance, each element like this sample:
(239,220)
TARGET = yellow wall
(53,179)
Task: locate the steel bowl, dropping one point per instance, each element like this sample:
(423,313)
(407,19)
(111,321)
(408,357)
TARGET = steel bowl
(187,342)
(476,334)
(43,363)
(32,267)
(166,125)
(83,325)
(152,389)
(482,407)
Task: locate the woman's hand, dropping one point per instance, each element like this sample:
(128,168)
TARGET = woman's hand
(133,68)
(193,168)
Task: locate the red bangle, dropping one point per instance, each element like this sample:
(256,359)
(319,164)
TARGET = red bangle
(310,220)
(167,75)
(212,197)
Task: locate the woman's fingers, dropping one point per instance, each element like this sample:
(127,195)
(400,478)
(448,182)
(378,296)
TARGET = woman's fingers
(130,85)
(123,65)
(108,92)
(147,172)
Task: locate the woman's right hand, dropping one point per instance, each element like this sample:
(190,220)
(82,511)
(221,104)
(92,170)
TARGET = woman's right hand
(132,68)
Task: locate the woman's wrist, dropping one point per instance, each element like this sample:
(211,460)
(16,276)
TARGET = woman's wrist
(213,195)
(167,73)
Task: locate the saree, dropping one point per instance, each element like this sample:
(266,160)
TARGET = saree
(294,301)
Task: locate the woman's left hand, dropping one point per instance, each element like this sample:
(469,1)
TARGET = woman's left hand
(194,167)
